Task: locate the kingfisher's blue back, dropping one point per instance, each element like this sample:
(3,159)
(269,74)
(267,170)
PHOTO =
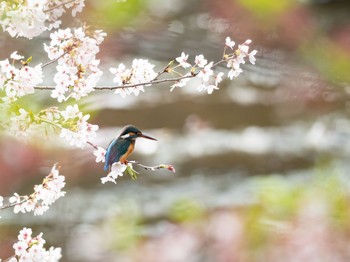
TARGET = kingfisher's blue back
(116,149)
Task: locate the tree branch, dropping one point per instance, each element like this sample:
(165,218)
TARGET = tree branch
(93,145)
(12,204)
(99,88)
(52,61)
(154,168)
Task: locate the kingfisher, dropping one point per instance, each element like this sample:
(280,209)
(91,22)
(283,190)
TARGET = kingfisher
(121,147)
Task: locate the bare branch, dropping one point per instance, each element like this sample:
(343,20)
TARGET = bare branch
(154,168)
(52,61)
(93,145)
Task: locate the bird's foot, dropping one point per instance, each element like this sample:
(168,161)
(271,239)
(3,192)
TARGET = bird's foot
(131,172)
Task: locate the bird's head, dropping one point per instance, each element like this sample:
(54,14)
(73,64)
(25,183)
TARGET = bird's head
(131,133)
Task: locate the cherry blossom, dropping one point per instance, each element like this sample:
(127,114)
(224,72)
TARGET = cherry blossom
(229,42)
(77,132)
(21,81)
(207,87)
(44,195)
(20,123)
(100,153)
(182,60)
(16,56)
(117,170)
(121,74)
(71,112)
(252,58)
(234,73)
(77,69)
(32,249)
(32,17)
(200,61)
(181,83)
(141,71)
(237,58)
(123,92)
(218,78)
(206,72)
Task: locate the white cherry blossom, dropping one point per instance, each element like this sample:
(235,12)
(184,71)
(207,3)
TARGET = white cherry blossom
(100,153)
(32,249)
(77,69)
(117,170)
(206,72)
(32,17)
(229,42)
(200,61)
(182,60)
(43,196)
(140,74)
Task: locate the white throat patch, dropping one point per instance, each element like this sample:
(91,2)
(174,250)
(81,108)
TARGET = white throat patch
(125,136)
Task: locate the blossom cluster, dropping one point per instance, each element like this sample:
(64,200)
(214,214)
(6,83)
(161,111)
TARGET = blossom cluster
(140,73)
(75,127)
(43,196)
(29,248)
(29,18)
(132,80)
(204,70)
(71,123)
(117,170)
(17,82)
(20,123)
(235,59)
(77,69)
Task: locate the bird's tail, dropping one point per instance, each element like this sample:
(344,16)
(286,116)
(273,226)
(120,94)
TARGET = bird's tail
(106,166)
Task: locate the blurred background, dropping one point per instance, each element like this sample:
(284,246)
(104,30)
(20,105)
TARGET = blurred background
(262,164)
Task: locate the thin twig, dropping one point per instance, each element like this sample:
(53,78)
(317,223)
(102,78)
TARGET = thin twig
(153,168)
(13,204)
(52,61)
(93,145)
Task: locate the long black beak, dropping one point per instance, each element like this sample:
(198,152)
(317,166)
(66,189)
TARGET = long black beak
(148,137)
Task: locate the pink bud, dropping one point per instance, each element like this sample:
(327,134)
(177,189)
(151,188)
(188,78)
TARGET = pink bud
(171,168)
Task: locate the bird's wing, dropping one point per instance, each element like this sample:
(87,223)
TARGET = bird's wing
(115,150)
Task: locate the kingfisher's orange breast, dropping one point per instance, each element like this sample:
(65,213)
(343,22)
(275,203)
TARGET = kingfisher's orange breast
(127,153)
